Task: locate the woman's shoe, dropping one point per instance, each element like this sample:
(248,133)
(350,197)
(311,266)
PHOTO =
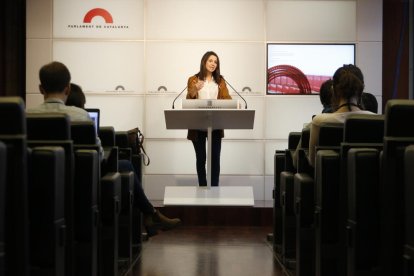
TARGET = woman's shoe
(156,221)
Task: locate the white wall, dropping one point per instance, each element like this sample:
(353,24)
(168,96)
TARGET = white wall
(162,45)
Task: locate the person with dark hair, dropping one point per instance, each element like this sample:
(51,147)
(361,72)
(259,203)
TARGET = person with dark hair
(347,90)
(55,86)
(208,83)
(369,102)
(76,96)
(325,96)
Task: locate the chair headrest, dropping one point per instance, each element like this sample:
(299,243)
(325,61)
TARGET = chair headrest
(48,126)
(12,116)
(364,128)
(397,112)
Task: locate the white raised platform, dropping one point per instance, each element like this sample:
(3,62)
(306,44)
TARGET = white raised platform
(214,196)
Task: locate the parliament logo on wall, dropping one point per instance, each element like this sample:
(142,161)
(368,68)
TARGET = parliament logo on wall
(107,19)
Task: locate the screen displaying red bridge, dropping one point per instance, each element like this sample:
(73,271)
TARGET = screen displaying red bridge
(300,69)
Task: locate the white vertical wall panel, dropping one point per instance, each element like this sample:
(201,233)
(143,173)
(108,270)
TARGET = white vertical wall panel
(103,66)
(240,157)
(369,20)
(126,19)
(39,19)
(170,64)
(311,21)
(33,99)
(170,157)
(268,187)
(205,20)
(38,52)
(122,111)
(288,113)
(369,59)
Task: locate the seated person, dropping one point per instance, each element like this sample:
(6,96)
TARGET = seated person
(369,102)
(55,87)
(325,96)
(348,84)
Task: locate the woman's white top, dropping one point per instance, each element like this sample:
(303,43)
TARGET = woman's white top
(209,90)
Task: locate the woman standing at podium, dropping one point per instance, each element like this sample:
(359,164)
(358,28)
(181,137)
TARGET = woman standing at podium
(207,84)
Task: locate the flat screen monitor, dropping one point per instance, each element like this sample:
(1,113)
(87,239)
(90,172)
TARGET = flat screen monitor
(94,113)
(300,69)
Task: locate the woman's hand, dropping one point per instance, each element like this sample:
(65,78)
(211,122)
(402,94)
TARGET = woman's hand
(199,84)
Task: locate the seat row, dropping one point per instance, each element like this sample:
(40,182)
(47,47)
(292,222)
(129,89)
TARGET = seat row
(63,209)
(352,214)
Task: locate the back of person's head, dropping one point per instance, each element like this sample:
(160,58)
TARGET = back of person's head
(76,97)
(54,77)
(348,84)
(369,102)
(325,96)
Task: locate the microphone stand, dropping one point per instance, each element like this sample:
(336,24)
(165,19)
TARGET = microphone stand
(178,96)
(245,103)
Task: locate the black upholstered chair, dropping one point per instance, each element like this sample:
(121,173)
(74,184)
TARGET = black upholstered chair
(13,135)
(53,129)
(362,235)
(408,256)
(3,169)
(47,229)
(399,133)
(110,208)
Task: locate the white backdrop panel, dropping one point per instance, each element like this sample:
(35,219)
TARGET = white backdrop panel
(369,59)
(288,113)
(40,53)
(70,19)
(123,112)
(268,188)
(39,19)
(369,20)
(242,157)
(170,64)
(205,20)
(33,100)
(170,157)
(103,66)
(311,21)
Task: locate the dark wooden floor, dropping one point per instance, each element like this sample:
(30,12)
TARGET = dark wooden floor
(208,250)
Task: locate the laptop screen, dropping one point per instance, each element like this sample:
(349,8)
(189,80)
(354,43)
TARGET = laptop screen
(94,114)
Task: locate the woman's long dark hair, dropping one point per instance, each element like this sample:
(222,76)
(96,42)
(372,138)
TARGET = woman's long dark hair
(203,71)
(348,83)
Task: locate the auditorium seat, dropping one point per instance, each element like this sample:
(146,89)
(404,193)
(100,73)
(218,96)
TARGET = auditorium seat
(13,135)
(86,211)
(110,208)
(47,227)
(398,135)
(3,169)
(53,129)
(330,137)
(360,130)
(125,220)
(125,152)
(362,235)
(408,256)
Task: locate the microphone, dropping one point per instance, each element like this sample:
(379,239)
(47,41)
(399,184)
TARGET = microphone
(178,96)
(245,103)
